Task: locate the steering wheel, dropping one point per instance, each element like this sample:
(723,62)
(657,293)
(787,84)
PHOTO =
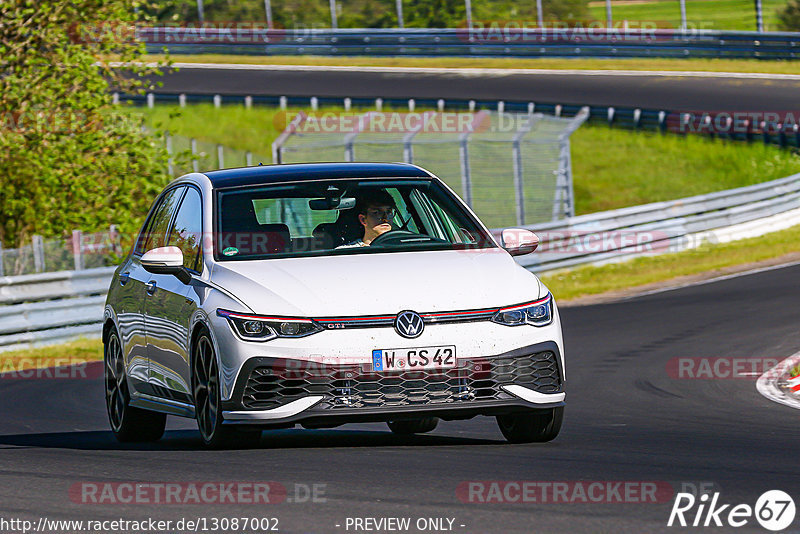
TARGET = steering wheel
(393,237)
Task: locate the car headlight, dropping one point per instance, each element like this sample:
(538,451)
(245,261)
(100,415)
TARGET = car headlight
(536,313)
(263,328)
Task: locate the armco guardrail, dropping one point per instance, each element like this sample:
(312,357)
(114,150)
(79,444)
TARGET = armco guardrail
(485,41)
(780,129)
(53,307)
(658,227)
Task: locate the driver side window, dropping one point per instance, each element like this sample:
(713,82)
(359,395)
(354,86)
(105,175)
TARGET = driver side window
(155,234)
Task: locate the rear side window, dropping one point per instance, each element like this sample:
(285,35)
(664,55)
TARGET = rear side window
(187,231)
(156,232)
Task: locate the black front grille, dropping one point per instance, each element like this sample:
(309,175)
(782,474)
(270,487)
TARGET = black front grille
(354,386)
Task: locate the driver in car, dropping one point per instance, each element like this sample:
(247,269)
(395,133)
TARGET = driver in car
(376,210)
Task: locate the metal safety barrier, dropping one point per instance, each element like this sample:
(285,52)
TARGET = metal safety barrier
(491,40)
(771,128)
(51,307)
(659,227)
(55,307)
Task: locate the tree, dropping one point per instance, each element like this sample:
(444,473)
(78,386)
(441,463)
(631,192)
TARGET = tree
(789,16)
(69,158)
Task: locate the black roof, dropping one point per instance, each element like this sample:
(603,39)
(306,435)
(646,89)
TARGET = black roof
(265,174)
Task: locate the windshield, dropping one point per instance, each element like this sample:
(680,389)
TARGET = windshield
(334,217)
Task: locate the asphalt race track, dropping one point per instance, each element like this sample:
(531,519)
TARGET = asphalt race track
(675,93)
(627,419)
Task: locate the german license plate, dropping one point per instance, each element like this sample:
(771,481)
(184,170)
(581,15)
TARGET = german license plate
(414,359)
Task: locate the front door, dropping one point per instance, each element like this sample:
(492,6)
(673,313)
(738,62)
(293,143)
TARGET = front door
(170,304)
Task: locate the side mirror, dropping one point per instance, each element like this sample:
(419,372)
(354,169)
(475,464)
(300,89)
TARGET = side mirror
(166,260)
(518,241)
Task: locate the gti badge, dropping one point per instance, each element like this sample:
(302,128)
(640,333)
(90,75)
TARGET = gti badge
(409,324)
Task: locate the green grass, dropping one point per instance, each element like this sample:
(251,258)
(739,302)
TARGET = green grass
(700,14)
(590,280)
(618,168)
(663,64)
(611,168)
(82,350)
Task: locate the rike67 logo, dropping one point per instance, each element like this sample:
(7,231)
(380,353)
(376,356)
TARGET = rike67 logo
(774,510)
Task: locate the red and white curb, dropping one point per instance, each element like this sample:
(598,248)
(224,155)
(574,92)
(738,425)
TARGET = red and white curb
(778,386)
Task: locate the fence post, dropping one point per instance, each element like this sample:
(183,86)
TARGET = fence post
(248,102)
(539,15)
(195,163)
(182,100)
(220,157)
(564,200)
(334,24)
(151,100)
(466,182)
(399,6)
(114,237)
(168,139)
(1,259)
(77,249)
(268,9)
(350,139)
(277,144)
(248,159)
(759,17)
(408,138)
(38,253)
(516,155)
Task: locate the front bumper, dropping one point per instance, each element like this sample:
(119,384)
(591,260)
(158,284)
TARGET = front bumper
(281,392)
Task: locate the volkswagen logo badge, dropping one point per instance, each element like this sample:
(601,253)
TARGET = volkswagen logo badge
(409,324)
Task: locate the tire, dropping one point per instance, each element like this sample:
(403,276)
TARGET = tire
(129,424)
(207,402)
(531,427)
(413,426)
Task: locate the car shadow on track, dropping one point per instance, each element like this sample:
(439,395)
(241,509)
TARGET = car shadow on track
(273,439)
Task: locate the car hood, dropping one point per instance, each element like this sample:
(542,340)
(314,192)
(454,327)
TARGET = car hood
(364,284)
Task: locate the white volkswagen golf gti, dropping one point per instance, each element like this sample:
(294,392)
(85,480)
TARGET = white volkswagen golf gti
(323,294)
